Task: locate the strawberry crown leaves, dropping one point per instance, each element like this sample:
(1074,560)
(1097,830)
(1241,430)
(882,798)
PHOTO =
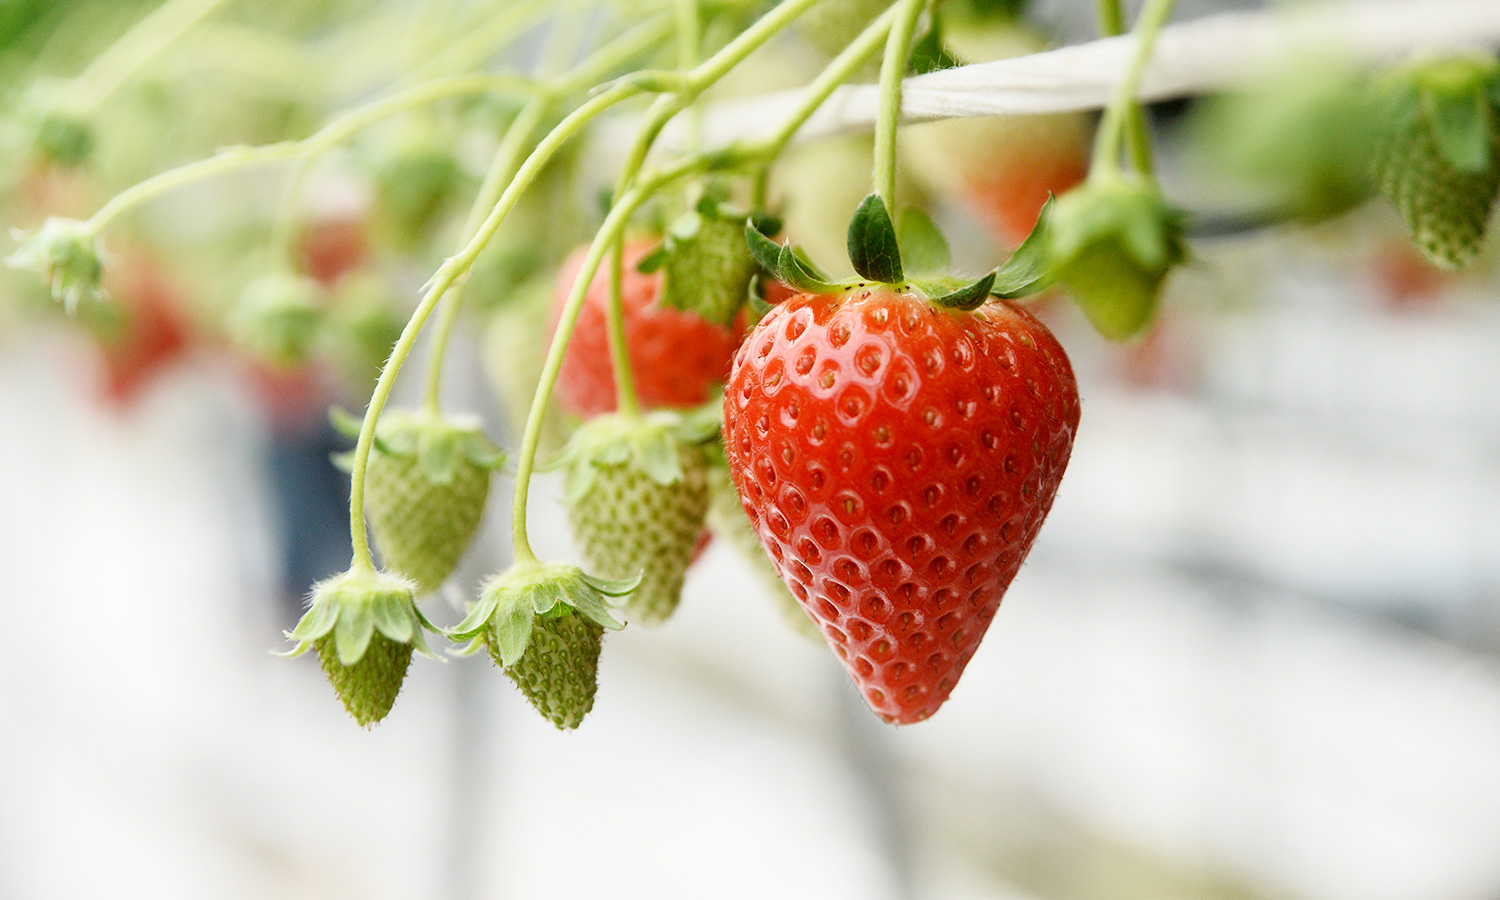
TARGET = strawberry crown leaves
(438,442)
(353,606)
(874,249)
(67,256)
(510,602)
(649,443)
(1457,97)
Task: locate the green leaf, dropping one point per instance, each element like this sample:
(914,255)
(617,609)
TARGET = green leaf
(591,605)
(766,251)
(352,634)
(612,587)
(923,247)
(344,422)
(479,615)
(437,455)
(513,628)
(1461,125)
(316,622)
(657,456)
(872,242)
(970,296)
(653,260)
(391,618)
(928,54)
(1026,272)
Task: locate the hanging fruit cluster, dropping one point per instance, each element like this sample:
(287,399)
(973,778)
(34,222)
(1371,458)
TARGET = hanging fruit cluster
(883,445)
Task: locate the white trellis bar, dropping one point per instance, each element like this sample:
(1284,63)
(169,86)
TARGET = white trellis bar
(1190,58)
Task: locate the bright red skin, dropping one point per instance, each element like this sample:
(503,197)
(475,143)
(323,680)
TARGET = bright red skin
(897,461)
(677,358)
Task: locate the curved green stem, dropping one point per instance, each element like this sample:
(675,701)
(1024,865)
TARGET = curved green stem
(503,167)
(447,274)
(1123,113)
(842,68)
(888,117)
(330,135)
(689,42)
(627,401)
(137,46)
(517,138)
(608,235)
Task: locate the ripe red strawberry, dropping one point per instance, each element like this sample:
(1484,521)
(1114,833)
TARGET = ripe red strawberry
(677,357)
(897,460)
(145,329)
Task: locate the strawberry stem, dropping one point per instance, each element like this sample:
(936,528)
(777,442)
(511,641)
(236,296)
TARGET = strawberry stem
(448,273)
(1123,113)
(892,71)
(627,401)
(138,46)
(331,135)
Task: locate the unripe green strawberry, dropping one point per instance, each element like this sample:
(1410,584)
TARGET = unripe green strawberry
(368,688)
(60,131)
(364,625)
(1111,242)
(708,267)
(543,623)
(637,494)
(1440,162)
(278,318)
(559,672)
(727,520)
(426,484)
(414,185)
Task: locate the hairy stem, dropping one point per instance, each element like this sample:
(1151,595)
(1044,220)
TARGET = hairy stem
(888,117)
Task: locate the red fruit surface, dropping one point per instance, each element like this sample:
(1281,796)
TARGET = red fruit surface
(678,358)
(1009,197)
(153,335)
(897,461)
(332,247)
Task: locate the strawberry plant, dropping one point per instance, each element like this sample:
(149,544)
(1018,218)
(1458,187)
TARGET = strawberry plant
(883,448)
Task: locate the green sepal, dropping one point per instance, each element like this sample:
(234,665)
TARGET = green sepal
(67,256)
(613,587)
(279,317)
(353,606)
(929,54)
(437,454)
(352,634)
(1026,272)
(510,602)
(647,442)
(344,422)
(786,264)
(1461,126)
(873,249)
(923,247)
(512,623)
(968,297)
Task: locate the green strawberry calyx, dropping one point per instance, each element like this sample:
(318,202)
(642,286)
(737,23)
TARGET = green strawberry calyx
(438,441)
(1112,241)
(1456,97)
(648,442)
(913,257)
(66,253)
(510,602)
(354,606)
